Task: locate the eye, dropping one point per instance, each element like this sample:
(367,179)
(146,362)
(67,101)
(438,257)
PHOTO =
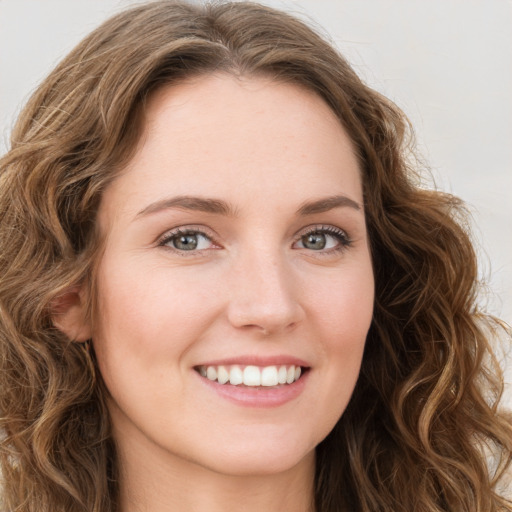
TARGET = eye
(186,240)
(323,238)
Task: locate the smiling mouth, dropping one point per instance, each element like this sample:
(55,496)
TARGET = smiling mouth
(252,376)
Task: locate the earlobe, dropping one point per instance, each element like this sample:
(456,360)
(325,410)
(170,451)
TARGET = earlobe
(69,315)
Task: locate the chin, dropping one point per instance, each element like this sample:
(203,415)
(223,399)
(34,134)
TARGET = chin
(260,455)
(261,465)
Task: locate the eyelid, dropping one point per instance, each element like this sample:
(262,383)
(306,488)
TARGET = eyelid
(186,229)
(345,241)
(329,228)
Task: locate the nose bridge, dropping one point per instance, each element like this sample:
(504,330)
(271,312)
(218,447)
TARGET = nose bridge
(264,294)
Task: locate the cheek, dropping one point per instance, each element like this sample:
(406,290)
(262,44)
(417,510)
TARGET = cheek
(152,304)
(147,324)
(342,308)
(342,303)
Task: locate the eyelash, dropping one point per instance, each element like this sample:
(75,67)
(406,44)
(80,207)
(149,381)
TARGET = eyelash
(344,241)
(340,235)
(175,233)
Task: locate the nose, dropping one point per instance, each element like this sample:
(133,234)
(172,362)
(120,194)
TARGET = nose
(264,297)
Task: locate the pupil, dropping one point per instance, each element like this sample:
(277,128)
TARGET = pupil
(314,241)
(186,242)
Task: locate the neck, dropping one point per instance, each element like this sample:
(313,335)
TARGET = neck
(181,486)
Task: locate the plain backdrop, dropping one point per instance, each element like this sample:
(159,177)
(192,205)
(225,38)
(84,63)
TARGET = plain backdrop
(446,63)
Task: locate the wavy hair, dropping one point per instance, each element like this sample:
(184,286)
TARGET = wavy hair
(424,414)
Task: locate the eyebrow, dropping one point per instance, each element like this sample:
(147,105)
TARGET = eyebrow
(220,207)
(327,203)
(200,204)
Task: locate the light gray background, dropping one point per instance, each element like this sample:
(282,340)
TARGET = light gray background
(446,63)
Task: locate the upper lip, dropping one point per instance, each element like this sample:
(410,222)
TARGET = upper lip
(254,360)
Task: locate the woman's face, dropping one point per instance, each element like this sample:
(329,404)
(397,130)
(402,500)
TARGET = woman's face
(236,253)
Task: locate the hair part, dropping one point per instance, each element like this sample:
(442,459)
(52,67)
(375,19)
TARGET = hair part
(425,404)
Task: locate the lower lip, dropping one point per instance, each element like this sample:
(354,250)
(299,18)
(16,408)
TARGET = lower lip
(258,396)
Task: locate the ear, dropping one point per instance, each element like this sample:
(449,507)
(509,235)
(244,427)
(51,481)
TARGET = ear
(69,314)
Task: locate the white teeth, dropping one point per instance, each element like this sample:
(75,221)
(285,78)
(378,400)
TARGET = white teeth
(281,375)
(252,376)
(269,376)
(236,376)
(211,373)
(222,375)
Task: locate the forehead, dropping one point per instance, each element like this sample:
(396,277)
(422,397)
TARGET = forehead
(252,94)
(217,134)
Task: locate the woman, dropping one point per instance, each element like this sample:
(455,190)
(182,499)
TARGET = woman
(222,287)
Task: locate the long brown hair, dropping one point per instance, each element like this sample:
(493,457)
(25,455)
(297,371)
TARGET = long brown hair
(425,409)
